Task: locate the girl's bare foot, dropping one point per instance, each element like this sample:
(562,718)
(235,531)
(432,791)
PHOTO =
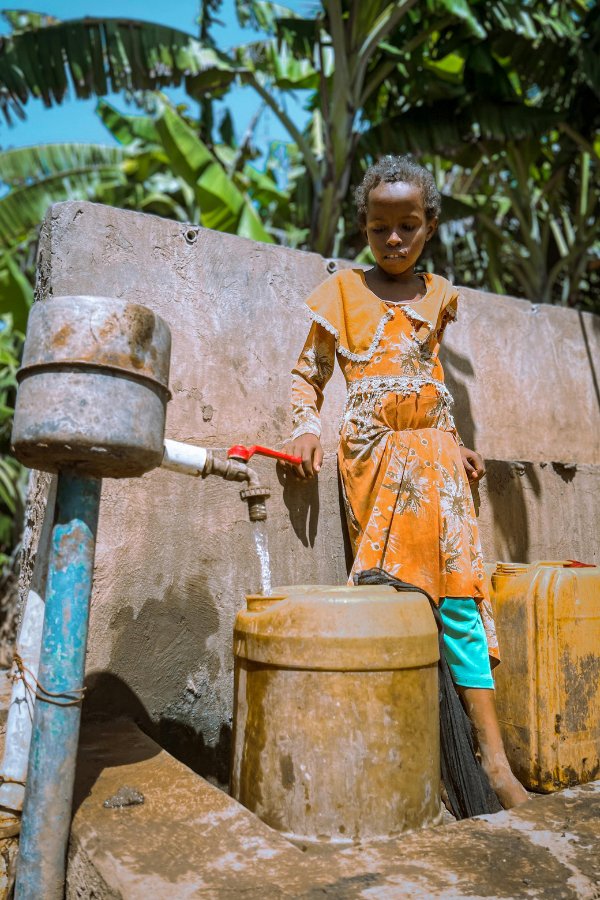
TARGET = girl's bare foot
(509,791)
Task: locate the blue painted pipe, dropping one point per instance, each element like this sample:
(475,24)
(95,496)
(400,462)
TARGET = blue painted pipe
(51,773)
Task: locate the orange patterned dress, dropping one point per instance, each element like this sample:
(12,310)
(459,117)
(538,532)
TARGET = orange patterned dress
(407,497)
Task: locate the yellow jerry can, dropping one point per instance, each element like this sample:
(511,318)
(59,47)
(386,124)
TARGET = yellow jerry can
(548,686)
(336,723)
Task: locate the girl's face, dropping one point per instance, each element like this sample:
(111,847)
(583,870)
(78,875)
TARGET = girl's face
(397,227)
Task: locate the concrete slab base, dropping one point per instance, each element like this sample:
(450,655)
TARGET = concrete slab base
(188,839)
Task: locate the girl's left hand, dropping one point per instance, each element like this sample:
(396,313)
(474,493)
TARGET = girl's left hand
(473,464)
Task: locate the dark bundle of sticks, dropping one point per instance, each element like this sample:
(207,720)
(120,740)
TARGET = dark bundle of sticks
(467,787)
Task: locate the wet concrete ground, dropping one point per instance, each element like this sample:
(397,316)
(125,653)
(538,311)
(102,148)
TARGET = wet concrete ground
(188,839)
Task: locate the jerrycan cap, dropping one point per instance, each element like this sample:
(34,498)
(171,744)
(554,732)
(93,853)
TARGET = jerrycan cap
(565,563)
(511,569)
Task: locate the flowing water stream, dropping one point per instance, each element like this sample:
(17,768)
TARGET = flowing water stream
(261,543)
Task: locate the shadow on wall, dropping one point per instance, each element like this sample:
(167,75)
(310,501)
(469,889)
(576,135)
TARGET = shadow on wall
(109,697)
(595,323)
(506,480)
(301,500)
(165,648)
(456,366)
(171,646)
(506,487)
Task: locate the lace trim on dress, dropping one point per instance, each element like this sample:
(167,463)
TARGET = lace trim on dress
(305,421)
(413,316)
(364,393)
(305,428)
(398,384)
(343,351)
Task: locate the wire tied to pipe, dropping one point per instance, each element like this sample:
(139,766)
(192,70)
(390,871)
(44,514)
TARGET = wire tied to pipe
(57,698)
(5,780)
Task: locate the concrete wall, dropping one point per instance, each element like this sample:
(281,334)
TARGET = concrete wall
(175,556)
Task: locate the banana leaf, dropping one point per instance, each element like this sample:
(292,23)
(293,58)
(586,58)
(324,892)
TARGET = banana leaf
(25,165)
(222,205)
(127,129)
(22,210)
(16,297)
(441,128)
(103,55)
(260,14)
(24,19)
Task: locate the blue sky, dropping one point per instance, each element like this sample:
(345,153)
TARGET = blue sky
(75,120)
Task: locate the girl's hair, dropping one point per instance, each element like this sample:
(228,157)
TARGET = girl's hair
(398,168)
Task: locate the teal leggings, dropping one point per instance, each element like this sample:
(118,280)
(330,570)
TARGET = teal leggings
(465,643)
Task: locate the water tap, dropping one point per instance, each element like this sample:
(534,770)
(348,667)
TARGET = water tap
(200,462)
(255,495)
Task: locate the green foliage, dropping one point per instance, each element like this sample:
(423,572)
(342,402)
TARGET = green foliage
(12,475)
(452,81)
(40,176)
(221,203)
(16,294)
(533,206)
(97,56)
(438,77)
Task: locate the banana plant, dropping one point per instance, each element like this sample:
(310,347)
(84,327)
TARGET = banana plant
(39,176)
(530,211)
(342,57)
(217,188)
(374,72)
(221,203)
(418,77)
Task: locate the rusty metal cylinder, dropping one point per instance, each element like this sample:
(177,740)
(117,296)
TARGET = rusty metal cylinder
(548,688)
(93,388)
(336,721)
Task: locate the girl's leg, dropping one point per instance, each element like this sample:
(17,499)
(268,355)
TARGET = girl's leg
(481,709)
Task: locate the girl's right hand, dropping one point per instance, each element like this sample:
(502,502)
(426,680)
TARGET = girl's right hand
(308,448)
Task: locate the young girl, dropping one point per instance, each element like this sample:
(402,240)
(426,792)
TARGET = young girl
(404,470)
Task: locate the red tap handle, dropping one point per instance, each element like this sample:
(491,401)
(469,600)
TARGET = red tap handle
(244,454)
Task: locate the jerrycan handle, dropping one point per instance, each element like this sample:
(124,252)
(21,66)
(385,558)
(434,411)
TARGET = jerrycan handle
(243,454)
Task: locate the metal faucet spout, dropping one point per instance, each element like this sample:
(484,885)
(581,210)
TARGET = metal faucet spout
(255,494)
(200,462)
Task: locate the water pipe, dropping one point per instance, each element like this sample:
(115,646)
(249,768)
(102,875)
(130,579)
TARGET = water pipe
(59,691)
(58,683)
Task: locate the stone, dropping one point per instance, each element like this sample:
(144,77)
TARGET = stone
(125,796)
